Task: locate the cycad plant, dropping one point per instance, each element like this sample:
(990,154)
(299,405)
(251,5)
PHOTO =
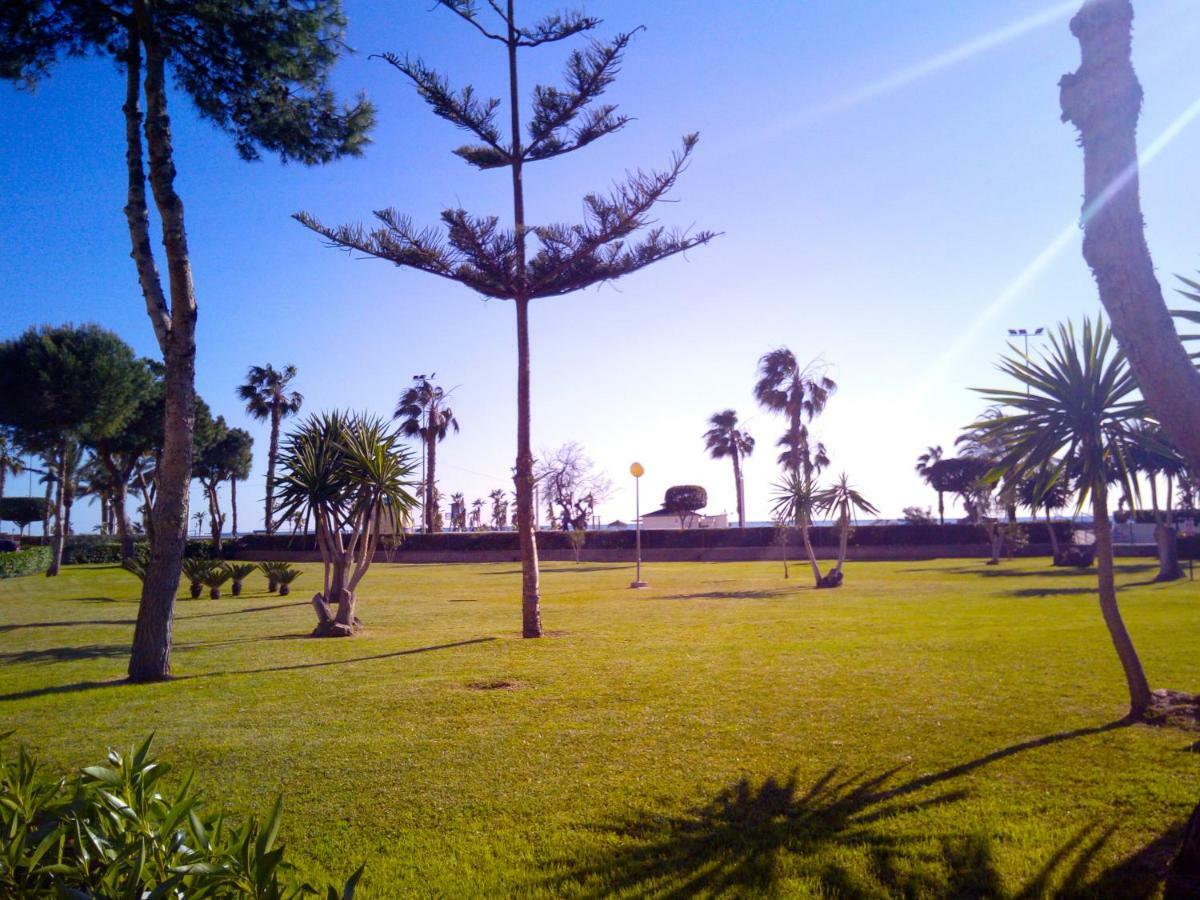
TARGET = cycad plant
(195,570)
(350,474)
(1071,418)
(217,575)
(271,570)
(286,576)
(238,573)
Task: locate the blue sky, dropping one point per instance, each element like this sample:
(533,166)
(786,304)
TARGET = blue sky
(885,176)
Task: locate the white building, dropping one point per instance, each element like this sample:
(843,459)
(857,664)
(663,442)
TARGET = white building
(662,520)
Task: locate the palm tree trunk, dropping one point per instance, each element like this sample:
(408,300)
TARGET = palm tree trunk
(272,456)
(941,509)
(150,657)
(1103,99)
(430,470)
(1139,689)
(531,614)
(60,477)
(739,488)
(843,540)
(812,556)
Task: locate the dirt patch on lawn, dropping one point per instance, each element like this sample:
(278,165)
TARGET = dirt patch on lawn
(1174,709)
(498,685)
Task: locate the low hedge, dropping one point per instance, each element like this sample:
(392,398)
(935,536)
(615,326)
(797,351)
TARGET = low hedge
(33,561)
(822,536)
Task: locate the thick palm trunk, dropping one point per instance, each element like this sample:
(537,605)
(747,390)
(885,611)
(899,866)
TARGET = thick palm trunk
(60,479)
(531,613)
(150,658)
(738,488)
(1139,689)
(1103,99)
(272,456)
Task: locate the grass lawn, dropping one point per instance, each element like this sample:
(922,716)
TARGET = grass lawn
(932,728)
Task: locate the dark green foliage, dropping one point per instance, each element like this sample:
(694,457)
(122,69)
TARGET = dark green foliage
(258,69)
(22,511)
(33,561)
(118,830)
(685,500)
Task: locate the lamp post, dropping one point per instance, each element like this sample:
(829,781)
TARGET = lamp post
(637,471)
(1025,333)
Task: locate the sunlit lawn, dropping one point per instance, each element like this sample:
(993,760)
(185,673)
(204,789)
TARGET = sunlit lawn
(929,729)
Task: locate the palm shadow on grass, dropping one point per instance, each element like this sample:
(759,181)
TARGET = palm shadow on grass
(320,664)
(984,571)
(567,570)
(750,835)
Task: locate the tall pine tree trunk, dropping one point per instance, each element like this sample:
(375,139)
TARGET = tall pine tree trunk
(1135,678)
(430,479)
(1103,99)
(531,613)
(272,457)
(233,502)
(150,658)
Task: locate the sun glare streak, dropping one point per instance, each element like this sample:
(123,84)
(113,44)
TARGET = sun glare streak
(902,78)
(1028,275)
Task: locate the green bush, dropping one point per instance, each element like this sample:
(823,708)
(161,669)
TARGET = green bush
(117,830)
(33,561)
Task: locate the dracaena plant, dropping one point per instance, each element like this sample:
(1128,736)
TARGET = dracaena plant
(350,475)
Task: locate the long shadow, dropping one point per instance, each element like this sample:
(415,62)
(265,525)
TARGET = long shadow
(738,841)
(66,624)
(1050,592)
(734,595)
(64,654)
(247,609)
(984,571)
(566,571)
(92,685)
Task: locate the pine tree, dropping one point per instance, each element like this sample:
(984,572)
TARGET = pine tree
(257,69)
(499,262)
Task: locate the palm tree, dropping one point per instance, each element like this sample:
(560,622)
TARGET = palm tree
(1037,492)
(499,508)
(795,503)
(1152,456)
(926,464)
(799,393)
(198,517)
(10,458)
(268,399)
(426,416)
(476,513)
(842,500)
(1073,416)
(723,439)
(458,512)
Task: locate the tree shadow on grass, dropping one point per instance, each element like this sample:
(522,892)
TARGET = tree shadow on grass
(92,685)
(64,654)
(763,594)
(1052,592)
(750,835)
(984,571)
(247,609)
(565,571)
(65,624)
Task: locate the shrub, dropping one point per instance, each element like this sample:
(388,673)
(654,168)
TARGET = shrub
(33,561)
(22,511)
(115,830)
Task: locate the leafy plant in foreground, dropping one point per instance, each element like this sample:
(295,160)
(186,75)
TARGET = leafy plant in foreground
(117,830)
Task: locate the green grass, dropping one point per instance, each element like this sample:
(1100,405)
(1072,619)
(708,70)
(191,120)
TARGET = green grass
(929,729)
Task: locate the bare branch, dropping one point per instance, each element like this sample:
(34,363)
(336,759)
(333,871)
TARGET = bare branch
(466,10)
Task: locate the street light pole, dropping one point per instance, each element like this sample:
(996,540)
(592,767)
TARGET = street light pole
(637,471)
(1025,333)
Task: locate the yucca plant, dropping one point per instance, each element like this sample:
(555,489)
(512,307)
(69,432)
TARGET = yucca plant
(793,507)
(217,575)
(115,830)
(286,576)
(195,570)
(1072,419)
(349,473)
(843,501)
(239,572)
